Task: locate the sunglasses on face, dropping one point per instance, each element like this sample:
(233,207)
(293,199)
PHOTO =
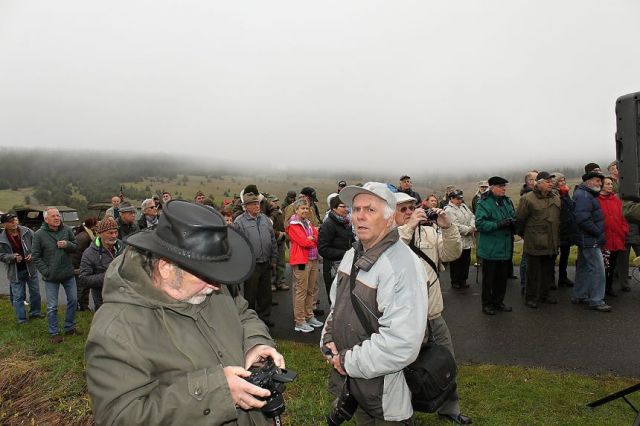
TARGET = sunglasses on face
(405,208)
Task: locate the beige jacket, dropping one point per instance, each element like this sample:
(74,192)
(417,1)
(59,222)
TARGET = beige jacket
(439,247)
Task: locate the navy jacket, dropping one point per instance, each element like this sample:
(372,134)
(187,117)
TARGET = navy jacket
(589,217)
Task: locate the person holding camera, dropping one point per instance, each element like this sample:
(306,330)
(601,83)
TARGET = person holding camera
(380,280)
(174,338)
(495,222)
(433,246)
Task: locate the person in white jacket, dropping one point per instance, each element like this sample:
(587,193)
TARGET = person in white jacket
(463,218)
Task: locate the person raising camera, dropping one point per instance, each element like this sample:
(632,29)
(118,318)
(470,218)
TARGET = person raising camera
(173,339)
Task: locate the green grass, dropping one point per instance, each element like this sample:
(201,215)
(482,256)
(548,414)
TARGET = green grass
(42,383)
(10,198)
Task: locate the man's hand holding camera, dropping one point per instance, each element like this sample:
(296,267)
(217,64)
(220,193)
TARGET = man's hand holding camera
(243,393)
(420,216)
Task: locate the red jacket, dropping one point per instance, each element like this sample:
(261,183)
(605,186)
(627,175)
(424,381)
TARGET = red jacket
(615,226)
(300,244)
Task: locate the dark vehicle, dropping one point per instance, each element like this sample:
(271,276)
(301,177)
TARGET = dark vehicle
(32,216)
(99,209)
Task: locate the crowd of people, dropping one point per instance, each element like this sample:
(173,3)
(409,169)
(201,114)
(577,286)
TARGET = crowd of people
(379,247)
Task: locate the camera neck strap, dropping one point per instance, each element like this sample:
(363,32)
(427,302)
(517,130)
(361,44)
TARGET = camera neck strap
(421,255)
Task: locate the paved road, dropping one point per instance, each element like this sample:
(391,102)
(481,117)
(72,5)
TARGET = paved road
(562,337)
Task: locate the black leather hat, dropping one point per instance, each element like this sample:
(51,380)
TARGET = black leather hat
(592,174)
(195,238)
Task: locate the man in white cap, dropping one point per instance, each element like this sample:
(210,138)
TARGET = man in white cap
(390,288)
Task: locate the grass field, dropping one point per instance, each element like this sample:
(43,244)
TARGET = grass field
(44,384)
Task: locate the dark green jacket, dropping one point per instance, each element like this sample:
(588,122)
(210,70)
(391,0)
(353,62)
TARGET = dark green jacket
(53,263)
(152,360)
(539,222)
(494,243)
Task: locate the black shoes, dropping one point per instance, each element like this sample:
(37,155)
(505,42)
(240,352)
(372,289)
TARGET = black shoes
(531,304)
(488,310)
(601,308)
(610,292)
(565,282)
(503,308)
(460,419)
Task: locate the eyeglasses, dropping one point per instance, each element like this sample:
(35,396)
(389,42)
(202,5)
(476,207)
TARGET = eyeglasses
(405,208)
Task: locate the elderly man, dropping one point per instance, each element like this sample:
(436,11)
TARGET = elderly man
(15,251)
(97,258)
(52,245)
(258,229)
(590,282)
(149,217)
(435,243)
(539,224)
(114,210)
(390,288)
(495,222)
(127,221)
(406,186)
(483,186)
(172,342)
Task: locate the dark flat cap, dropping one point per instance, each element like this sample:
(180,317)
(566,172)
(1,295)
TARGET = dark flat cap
(544,175)
(497,180)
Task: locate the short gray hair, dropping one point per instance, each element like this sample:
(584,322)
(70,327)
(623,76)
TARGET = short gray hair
(147,203)
(300,202)
(45,213)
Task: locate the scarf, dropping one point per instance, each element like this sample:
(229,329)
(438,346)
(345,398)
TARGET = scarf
(342,220)
(312,253)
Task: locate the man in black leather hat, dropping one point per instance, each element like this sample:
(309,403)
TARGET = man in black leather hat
(172,342)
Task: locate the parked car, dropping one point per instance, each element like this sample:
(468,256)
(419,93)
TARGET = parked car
(32,216)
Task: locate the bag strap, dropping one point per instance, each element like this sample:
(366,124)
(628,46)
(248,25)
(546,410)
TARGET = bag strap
(356,306)
(358,309)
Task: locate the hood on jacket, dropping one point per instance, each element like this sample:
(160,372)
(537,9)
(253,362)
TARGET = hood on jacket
(584,187)
(128,281)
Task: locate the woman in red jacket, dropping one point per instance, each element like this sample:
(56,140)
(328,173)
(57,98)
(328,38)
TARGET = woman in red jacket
(615,230)
(303,258)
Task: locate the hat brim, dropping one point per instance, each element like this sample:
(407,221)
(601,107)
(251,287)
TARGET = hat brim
(236,269)
(348,193)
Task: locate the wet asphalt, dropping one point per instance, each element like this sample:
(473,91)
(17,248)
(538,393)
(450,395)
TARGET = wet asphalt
(563,337)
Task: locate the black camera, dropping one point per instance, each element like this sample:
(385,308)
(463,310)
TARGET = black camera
(343,406)
(432,216)
(272,378)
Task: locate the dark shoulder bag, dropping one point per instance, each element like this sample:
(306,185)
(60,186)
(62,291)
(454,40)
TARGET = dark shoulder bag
(431,377)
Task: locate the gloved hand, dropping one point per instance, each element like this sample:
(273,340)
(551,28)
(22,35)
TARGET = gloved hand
(506,223)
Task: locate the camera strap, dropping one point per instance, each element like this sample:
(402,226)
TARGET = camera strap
(358,308)
(421,255)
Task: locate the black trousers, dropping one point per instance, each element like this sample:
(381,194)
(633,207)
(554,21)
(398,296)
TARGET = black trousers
(540,272)
(326,276)
(494,281)
(459,268)
(563,262)
(257,290)
(610,267)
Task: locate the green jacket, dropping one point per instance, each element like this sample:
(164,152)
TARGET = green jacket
(539,222)
(494,243)
(53,263)
(631,211)
(153,360)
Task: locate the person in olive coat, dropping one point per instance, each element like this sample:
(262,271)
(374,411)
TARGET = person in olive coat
(495,222)
(539,224)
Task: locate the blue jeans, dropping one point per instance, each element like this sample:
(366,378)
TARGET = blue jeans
(590,276)
(19,291)
(51,290)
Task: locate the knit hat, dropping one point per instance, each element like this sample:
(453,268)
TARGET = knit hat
(107,224)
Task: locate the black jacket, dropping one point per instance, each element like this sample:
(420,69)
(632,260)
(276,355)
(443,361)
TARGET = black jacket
(334,238)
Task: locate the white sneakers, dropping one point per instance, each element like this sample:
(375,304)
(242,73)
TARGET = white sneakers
(313,322)
(304,327)
(309,325)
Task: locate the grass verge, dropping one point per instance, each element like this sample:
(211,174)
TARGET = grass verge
(42,383)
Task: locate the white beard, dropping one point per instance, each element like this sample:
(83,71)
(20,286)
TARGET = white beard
(200,297)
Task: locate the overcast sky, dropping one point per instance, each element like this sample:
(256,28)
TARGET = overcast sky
(372,85)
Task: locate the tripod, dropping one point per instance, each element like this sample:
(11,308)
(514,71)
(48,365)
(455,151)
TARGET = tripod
(620,394)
